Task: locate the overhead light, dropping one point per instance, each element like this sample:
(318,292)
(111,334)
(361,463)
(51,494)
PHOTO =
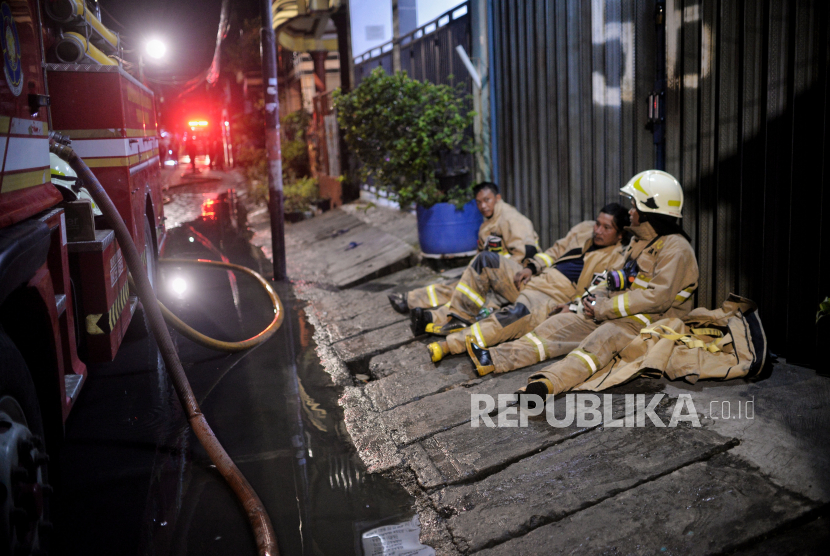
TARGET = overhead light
(156,49)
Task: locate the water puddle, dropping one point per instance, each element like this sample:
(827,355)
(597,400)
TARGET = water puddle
(275,410)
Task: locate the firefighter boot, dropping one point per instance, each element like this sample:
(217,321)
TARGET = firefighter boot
(437,351)
(481,357)
(455,324)
(419,319)
(540,386)
(398,301)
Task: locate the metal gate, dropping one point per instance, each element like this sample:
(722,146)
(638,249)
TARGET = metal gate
(746,128)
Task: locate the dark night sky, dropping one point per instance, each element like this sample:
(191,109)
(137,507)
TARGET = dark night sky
(188,27)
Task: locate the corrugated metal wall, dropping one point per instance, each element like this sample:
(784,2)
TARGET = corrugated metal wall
(746,133)
(570,104)
(747,119)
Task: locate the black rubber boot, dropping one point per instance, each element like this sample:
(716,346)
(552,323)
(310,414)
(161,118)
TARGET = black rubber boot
(419,319)
(539,386)
(480,356)
(398,301)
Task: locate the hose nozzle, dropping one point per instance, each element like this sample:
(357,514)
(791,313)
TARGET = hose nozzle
(56,137)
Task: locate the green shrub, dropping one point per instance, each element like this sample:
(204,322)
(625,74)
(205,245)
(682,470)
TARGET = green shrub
(402,130)
(300,193)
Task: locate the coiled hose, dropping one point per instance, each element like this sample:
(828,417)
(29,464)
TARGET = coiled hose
(211,343)
(260,522)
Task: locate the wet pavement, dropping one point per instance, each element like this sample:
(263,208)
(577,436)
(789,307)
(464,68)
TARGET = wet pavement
(343,425)
(752,478)
(134,478)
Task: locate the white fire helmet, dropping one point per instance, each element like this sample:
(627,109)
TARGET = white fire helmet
(62,172)
(655,191)
(65,177)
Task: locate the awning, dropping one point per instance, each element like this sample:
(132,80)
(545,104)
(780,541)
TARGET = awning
(305,25)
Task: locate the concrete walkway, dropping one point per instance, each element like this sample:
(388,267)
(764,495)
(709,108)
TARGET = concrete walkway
(753,478)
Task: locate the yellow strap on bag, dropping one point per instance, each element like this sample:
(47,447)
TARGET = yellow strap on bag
(689,340)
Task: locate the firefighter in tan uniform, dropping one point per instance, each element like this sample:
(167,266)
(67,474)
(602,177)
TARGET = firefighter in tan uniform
(557,276)
(505,232)
(657,281)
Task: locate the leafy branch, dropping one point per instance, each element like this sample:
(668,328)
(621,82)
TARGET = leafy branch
(403,131)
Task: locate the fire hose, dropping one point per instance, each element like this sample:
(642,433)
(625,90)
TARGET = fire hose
(211,343)
(260,521)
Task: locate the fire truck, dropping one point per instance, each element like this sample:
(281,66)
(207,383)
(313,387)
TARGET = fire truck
(65,300)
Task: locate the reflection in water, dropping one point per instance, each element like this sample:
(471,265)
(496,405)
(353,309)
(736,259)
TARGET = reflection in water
(275,410)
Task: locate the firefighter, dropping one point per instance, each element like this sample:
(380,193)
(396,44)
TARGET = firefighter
(505,231)
(191,152)
(656,281)
(549,279)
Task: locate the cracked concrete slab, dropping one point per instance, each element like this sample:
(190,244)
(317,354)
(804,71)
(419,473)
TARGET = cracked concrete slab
(409,384)
(787,434)
(368,432)
(704,508)
(363,346)
(466,453)
(552,484)
(337,248)
(410,356)
(415,421)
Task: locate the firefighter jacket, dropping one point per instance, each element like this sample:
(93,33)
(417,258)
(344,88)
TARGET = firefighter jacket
(573,245)
(515,230)
(725,343)
(661,278)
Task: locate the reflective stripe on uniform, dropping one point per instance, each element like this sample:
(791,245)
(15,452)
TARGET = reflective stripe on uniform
(539,346)
(433,300)
(688,339)
(620,305)
(684,294)
(640,282)
(588,359)
(547,259)
(479,335)
(642,318)
(473,296)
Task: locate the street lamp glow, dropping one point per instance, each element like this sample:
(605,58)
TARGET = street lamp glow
(156,49)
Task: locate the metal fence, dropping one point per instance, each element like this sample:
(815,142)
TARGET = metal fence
(746,121)
(427,53)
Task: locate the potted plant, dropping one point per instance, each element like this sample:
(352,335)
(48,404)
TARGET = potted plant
(405,134)
(299,195)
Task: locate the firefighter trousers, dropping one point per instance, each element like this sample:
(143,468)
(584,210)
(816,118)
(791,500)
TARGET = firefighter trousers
(431,296)
(589,347)
(530,309)
(487,273)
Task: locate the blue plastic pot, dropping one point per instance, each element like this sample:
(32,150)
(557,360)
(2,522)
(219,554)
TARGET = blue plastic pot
(446,230)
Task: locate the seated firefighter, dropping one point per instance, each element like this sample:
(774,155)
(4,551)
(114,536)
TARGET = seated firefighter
(504,232)
(724,343)
(549,279)
(656,281)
